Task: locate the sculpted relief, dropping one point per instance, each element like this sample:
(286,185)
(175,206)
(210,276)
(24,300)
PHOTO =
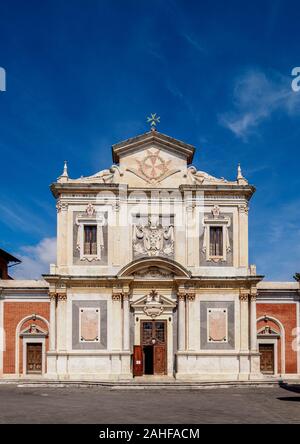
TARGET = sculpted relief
(153,238)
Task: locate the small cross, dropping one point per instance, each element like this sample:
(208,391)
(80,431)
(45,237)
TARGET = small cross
(153,120)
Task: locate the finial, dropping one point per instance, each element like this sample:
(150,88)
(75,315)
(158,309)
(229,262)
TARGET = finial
(65,173)
(240,178)
(64,177)
(239,174)
(153,120)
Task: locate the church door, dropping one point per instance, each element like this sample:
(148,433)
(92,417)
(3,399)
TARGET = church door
(266,358)
(34,358)
(154,344)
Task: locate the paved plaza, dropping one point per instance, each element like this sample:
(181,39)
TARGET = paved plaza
(105,405)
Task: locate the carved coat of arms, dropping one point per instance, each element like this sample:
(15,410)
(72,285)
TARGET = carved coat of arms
(153,239)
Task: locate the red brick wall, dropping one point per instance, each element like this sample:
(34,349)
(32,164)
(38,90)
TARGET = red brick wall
(14,312)
(287,315)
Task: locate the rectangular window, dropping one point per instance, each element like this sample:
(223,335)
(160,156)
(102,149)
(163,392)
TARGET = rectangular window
(216,241)
(90,239)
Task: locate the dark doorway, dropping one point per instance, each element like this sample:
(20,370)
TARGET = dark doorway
(154,343)
(148,360)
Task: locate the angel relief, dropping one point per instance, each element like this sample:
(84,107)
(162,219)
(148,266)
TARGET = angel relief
(153,239)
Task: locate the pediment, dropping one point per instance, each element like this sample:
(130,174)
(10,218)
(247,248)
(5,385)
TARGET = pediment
(153,298)
(268,331)
(33,330)
(154,139)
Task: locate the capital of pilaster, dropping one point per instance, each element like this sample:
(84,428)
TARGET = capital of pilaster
(191,294)
(61,206)
(244,295)
(117,294)
(243,208)
(52,295)
(61,296)
(253,294)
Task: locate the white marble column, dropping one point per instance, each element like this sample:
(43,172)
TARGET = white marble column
(116,340)
(62,233)
(181,321)
(244,319)
(253,330)
(61,321)
(52,333)
(126,326)
(243,235)
(190,319)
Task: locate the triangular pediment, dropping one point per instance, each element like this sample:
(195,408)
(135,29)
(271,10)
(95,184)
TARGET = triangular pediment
(156,140)
(33,330)
(144,300)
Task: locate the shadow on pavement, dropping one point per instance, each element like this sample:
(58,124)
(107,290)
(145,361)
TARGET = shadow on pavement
(290,398)
(290,387)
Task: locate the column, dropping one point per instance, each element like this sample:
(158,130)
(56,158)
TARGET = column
(244,319)
(52,333)
(253,330)
(126,326)
(62,234)
(61,321)
(181,321)
(116,318)
(243,235)
(190,319)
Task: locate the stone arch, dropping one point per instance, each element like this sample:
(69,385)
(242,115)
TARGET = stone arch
(159,262)
(282,337)
(23,321)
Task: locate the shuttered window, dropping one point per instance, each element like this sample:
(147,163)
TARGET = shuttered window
(216,241)
(90,239)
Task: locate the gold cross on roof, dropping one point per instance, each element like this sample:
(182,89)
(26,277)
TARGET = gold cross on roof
(153,120)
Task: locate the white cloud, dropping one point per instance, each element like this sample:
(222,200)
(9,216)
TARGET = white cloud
(256,96)
(35,259)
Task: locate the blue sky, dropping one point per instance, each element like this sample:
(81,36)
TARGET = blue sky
(82,75)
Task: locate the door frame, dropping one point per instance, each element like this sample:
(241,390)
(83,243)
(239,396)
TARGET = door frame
(273,342)
(165,321)
(33,340)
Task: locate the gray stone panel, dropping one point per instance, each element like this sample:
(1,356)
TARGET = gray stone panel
(76,344)
(205,345)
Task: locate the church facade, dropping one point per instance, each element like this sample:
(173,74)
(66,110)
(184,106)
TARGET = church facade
(152,278)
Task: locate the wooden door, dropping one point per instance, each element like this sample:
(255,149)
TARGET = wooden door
(137,360)
(154,337)
(34,358)
(159,359)
(266,358)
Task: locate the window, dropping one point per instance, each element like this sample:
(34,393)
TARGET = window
(90,239)
(216,241)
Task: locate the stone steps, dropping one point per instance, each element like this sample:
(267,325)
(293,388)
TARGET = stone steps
(146,384)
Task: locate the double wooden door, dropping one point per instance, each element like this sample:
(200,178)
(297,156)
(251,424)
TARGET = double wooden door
(151,356)
(266,358)
(34,358)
